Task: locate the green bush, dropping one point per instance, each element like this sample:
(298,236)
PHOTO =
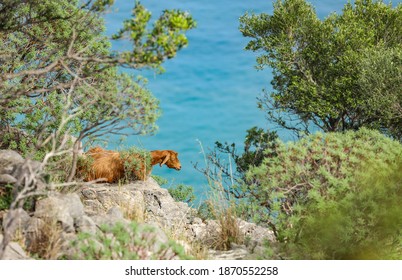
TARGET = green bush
(182,193)
(313,190)
(159,179)
(365,223)
(126,242)
(337,73)
(135,159)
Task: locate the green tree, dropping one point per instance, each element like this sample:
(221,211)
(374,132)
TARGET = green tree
(60,77)
(381,75)
(322,69)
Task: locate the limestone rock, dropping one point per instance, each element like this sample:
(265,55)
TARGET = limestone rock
(10,156)
(8,160)
(235,253)
(159,208)
(7,179)
(20,220)
(14,251)
(256,233)
(15,170)
(85,224)
(113,216)
(66,209)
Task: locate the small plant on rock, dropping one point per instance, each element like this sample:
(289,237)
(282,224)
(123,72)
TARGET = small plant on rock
(126,242)
(182,193)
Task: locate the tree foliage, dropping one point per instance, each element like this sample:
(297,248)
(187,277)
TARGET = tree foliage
(339,73)
(60,77)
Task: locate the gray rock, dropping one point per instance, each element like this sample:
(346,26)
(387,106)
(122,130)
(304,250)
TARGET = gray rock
(16,171)
(206,232)
(115,213)
(26,169)
(255,233)
(66,209)
(160,209)
(141,201)
(236,253)
(18,224)
(151,206)
(10,156)
(99,199)
(14,251)
(7,179)
(85,224)
(8,160)
(111,218)
(33,225)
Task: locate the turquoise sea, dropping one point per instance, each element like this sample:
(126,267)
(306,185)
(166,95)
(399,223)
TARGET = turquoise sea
(209,90)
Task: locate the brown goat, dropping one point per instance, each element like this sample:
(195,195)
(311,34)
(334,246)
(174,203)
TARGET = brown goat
(110,165)
(168,157)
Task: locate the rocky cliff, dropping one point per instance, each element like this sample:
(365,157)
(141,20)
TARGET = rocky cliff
(80,221)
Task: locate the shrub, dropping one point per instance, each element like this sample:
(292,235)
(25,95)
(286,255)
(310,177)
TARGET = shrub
(313,190)
(182,193)
(135,159)
(159,179)
(126,242)
(365,223)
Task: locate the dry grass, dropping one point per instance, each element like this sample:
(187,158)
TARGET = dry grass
(229,229)
(223,209)
(228,232)
(133,212)
(46,242)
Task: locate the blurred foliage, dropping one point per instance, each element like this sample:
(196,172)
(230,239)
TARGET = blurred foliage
(159,179)
(5,196)
(126,242)
(182,193)
(364,223)
(344,186)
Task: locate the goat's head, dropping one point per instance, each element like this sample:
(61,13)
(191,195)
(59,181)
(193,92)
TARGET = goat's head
(170,158)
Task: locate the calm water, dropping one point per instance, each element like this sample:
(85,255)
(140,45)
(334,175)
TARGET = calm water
(208,92)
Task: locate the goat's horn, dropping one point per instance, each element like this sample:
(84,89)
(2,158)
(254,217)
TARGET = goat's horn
(165,159)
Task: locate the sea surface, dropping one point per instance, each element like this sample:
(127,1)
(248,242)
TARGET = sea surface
(209,90)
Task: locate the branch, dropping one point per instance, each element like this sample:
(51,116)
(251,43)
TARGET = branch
(31,72)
